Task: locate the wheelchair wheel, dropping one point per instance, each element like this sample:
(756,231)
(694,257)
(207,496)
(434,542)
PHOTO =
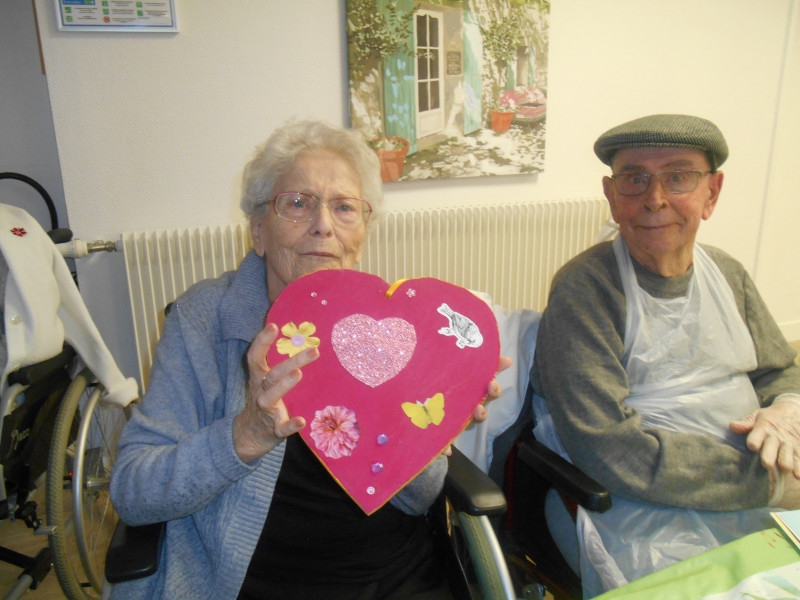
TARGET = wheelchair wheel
(79,509)
(474,540)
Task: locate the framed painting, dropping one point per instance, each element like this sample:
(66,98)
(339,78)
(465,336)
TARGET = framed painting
(450,88)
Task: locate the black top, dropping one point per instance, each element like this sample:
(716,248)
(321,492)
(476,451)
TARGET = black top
(316,536)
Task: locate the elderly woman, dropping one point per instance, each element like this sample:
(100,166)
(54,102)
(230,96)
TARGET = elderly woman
(251,512)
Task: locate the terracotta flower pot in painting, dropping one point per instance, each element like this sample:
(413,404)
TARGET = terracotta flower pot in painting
(392,153)
(501,120)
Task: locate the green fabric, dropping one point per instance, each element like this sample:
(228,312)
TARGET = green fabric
(532,67)
(712,572)
(511,75)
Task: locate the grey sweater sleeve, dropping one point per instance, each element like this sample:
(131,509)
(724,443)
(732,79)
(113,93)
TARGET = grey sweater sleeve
(578,370)
(418,494)
(176,453)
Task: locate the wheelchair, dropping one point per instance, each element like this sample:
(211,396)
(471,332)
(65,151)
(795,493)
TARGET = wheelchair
(24,449)
(493,549)
(56,429)
(531,470)
(56,426)
(459,521)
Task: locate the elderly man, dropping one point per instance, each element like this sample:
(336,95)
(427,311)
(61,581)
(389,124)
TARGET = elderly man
(660,370)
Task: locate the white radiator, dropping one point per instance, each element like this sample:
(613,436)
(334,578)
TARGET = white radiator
(509,251)
(162,264)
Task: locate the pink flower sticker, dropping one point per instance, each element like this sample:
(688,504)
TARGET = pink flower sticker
(19,231)
(335,431)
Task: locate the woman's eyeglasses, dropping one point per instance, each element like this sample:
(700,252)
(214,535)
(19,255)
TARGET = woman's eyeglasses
(300,207)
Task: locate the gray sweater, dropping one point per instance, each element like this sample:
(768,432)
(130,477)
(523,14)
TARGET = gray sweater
(578,369)
(177,462)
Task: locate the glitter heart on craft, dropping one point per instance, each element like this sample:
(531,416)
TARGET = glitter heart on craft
(373,351)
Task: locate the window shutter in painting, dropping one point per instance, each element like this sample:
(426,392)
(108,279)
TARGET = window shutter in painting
(473,51)
(399,86)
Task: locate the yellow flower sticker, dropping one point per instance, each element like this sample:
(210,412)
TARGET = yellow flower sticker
(297,338)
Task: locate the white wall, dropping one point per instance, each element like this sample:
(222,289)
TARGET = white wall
(779,248)
(153,129)
(27,139)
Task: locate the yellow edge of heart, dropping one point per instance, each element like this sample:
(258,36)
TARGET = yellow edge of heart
(394,286)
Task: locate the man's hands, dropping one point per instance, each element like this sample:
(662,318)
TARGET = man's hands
(774,431)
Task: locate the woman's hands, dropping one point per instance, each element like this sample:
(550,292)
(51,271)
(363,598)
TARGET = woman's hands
(264,422)
(480,414)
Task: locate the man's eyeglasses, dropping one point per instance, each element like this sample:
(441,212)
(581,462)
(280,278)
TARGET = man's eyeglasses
(299,207)
(673,182)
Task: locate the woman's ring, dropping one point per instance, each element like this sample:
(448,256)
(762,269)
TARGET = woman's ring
(266,383)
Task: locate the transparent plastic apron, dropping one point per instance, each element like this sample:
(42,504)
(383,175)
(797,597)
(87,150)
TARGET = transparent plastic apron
(687,360)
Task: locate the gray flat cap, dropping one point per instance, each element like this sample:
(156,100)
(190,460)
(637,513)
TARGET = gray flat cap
(679,131)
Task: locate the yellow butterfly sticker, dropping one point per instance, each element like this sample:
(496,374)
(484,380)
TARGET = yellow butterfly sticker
(423,414)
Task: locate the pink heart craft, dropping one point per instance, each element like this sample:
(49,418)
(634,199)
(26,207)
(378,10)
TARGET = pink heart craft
(400,372)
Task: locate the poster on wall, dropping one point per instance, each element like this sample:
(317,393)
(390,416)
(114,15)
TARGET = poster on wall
(147,16)
(450,88)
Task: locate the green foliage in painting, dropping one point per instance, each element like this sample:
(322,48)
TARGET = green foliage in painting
(500,39)
(374,35)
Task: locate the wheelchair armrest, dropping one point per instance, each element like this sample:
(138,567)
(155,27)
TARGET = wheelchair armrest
(36,372)
(134,552)
(470,490)
(564,476)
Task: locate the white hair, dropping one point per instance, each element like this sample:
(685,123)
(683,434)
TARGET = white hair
(279,153)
